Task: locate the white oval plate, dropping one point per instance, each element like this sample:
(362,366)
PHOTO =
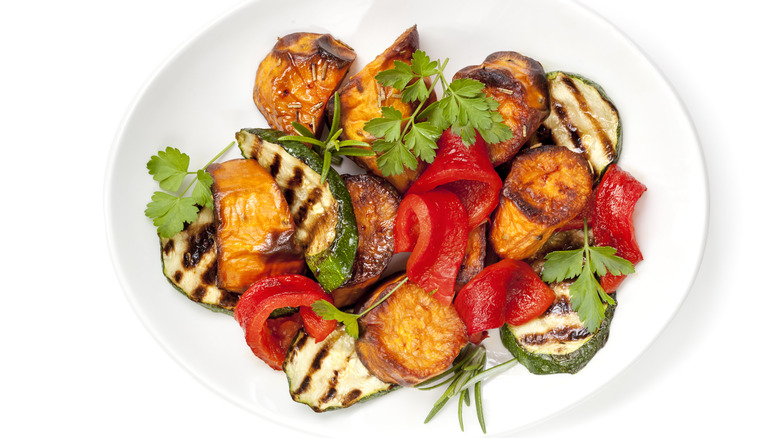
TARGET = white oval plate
(203,95)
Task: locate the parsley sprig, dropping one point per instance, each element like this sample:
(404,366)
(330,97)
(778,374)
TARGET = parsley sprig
(587,295)
(168,210)
(331,146)
(326,310)
(464,107)
(467,371)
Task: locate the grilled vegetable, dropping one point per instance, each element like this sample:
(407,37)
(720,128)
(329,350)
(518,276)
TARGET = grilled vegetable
(375,203)
(546,187)
(519,85)
(328,375)
(474,260)
(298,76)
(409,337)
(362,98)
(254,227)
(583,119)
(189,262)
(324,220)
(556,341)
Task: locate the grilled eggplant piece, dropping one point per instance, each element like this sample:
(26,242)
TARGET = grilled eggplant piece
(324,219)
(547,187)
(375,203)
(556,341)
(519,85)
(189,261)
(298,76)
(255,230)
(362,99)
(409,337)
(583,119)
(328,375)
(474,260)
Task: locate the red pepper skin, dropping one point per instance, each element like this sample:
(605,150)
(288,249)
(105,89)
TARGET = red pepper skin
(465,171)
(432,225)
(506,292)
(266,295)
(527,296)
(613,218)
(482,301)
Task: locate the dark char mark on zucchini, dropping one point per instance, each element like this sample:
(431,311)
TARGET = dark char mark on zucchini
(303,211)
(566,333)
(586,111)
(275,164)
(198,245)
(573,132)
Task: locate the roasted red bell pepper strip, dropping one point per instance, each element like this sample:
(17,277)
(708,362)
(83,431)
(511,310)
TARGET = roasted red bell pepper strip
(465,171)
(508,291)
(432,225)
(613,219)
(263,297)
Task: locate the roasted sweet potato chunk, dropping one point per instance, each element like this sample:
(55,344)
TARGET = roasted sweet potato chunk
(255,231)
(298,76)
(410,337)
(362,99)
(547,187)
(519,85)
(375,203)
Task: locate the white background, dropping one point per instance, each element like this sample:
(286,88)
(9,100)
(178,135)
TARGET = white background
(74,358)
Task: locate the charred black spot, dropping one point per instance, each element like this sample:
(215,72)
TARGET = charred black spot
(574,133)
(328,395)
(177,276)
(304,385)
(198,293)
(198,244)
(289,196)
(210,275)
(276,164)
(168,246)
(316,363)
(303,211)
(228,299)
(297,178)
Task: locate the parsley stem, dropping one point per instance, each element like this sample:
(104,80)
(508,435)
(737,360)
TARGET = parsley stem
(381,300)
(222,152)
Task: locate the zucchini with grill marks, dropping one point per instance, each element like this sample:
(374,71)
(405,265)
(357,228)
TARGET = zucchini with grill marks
(189,262)
(325,225)
(328,375)
(556,341)
(582,118)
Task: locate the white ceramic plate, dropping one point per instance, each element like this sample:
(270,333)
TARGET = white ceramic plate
(203,95)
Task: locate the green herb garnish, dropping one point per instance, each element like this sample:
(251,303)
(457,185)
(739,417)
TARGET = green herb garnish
(331,146)
(467,371)
(169,211)
(464,107)
(326,310)
(587,295)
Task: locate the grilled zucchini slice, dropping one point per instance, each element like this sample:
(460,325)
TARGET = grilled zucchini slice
(189,262)
(328,375)
(582,118)
(556,341)
(325,226)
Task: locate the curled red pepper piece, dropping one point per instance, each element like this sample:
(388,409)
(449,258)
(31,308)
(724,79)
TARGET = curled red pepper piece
(465,171)
(506,292)
(613,219)
(432,225)
(269,339)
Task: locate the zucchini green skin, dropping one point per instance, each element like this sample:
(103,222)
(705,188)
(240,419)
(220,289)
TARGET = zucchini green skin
(599,164)
(570,362)
(333,266)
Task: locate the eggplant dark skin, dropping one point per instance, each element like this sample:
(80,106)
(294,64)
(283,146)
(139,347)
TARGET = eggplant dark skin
(296,79)
(520,86)
(375,203)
